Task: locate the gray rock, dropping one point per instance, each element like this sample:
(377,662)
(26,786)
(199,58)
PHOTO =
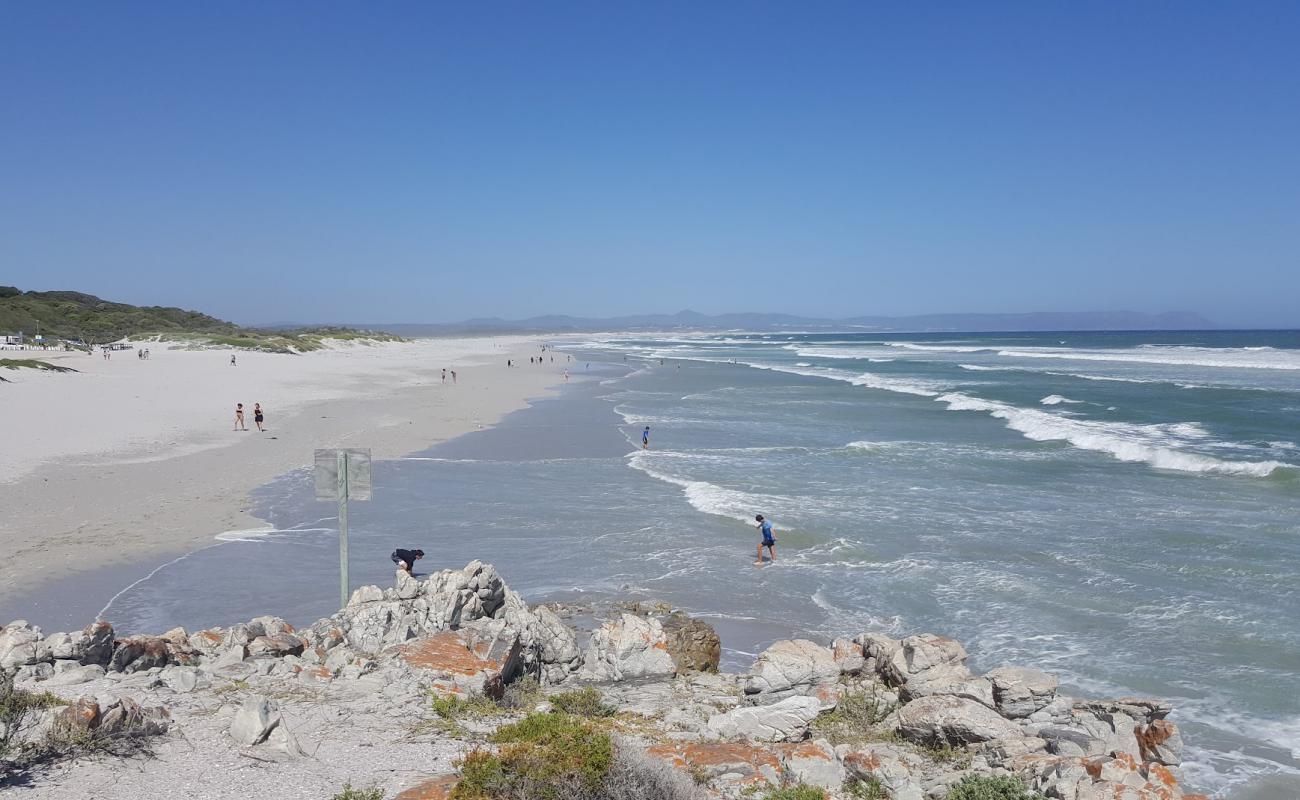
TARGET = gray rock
(849,655)
(628,647)
(183,680)
(275,645)
(814,764)
(254,721)
(923,653)
(139,653)
(942,681)
(793,667)
(943,719)
(67,646)
(693,644)
(1020,691)
(76,675)
(897,768)
(97,644)
(784,721)
(408,588)
(1161,742)
(34,672)
(21,644)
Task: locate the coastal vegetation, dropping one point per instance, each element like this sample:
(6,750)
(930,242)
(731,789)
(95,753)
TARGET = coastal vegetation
(31,363)
(87,319)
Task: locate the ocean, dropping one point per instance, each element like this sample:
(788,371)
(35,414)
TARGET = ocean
(1117,508)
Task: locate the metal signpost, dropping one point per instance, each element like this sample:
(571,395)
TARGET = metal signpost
(343,475)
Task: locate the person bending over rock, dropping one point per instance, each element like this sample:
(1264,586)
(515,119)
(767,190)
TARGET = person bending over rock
(405,559)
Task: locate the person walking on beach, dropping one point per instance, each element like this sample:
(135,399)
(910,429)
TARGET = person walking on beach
(257,416)
(239,417)
(645,438)
(453,376)
(405,559)
(444,374)
(769,541)
(232,359)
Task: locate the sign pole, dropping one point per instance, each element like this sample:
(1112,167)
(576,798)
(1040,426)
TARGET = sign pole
(343,527)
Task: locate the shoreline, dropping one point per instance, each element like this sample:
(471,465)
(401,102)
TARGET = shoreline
(129,506)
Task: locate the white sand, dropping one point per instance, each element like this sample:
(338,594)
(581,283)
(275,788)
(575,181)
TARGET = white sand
(130,460)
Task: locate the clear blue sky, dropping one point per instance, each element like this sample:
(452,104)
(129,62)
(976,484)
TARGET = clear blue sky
(385,162)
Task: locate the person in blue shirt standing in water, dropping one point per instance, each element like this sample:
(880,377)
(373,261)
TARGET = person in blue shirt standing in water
(769,541)
(645,438)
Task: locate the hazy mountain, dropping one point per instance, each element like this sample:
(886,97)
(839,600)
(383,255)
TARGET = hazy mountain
(693,320)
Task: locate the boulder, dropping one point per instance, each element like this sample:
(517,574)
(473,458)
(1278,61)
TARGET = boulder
(878,649)
(849,655)
(122,717)
(34,672)
(793,667)
(693,644)
(898,769)
(66,646)
(183,680)
(745,763)
(407,587)
(955,721)
(254,721)
(98,643)
(268,626)
(783,721)
(275,645)
(926,656)
(474,660)
(1160,742)
(628,647)
(75,675)
(813,764)
(1020,691)
(139,653)
(941,681)
(21,644)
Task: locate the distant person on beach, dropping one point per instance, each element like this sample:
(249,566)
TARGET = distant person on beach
(239,417)
(769,541)
(405,559)
(444,375)
(645,438)
(453,376)
(257,416)
(232,360)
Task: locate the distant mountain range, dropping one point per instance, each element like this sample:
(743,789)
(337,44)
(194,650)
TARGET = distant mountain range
(693,320)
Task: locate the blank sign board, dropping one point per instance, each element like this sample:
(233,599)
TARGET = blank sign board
(328,485)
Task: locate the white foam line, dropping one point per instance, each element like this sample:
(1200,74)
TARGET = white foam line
(100,616)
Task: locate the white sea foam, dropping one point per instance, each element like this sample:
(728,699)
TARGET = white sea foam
(1215,357)
(708,497)
(1155,444)
(940,348)
(1056,399)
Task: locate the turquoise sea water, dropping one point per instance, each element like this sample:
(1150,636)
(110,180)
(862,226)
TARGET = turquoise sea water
(1120,509)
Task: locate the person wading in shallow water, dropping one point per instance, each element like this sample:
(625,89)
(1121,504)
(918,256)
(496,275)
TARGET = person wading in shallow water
(405,559)
(769,541)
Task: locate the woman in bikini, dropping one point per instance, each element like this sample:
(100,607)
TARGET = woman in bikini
(257,416)
(239,417)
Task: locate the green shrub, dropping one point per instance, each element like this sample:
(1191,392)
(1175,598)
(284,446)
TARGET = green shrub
(869,788)
(988,787)
(18,712)
(541,757)
(585,702)
(521,695)
(856,718)
(350,793)
(799,792)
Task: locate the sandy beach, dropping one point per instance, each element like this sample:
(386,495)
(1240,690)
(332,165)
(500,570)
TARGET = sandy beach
(131,460)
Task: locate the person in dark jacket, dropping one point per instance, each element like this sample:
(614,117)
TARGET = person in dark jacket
(405,559)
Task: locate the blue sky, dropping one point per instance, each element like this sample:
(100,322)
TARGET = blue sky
(431,162)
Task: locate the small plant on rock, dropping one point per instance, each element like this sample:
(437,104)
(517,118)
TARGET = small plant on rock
(584,702)
(799,792)
(521,695)
(19,711)
(991,787)
(868,788)
(350,793)
(856,718)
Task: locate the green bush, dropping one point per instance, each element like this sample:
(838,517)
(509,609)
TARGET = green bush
(541,757)
(856,718)
(585,702)
(988,787)
(350,793)
(18,712)
(869,788)
(521,695)
(799,792)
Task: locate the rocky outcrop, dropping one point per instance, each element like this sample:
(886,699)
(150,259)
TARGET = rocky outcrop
(783,721)
(692,643)
(923,719)
(793,668)
(626,648)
